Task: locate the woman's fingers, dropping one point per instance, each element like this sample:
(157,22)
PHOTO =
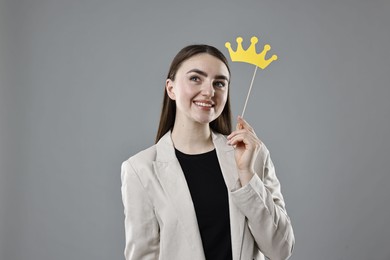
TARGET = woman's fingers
(237,132)
(244,134)
(246,146)
(247,138)
(242,124)
(242,128)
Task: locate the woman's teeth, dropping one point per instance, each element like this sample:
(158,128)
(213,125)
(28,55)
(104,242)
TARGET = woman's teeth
(203,104)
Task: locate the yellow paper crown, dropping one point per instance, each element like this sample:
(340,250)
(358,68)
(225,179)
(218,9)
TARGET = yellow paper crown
(250,55)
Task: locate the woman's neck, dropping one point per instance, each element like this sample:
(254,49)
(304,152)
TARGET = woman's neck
(192,139)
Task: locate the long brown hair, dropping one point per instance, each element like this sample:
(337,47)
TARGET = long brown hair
(222,124)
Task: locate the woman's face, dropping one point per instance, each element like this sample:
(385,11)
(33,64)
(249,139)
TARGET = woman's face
(200,89)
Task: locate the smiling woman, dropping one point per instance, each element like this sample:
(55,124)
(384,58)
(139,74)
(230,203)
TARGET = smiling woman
(203,191)
(200,92)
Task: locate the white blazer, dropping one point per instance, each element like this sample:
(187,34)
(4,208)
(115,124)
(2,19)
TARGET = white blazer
(160,220)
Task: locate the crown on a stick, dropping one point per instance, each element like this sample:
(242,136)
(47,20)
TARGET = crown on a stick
(249,55)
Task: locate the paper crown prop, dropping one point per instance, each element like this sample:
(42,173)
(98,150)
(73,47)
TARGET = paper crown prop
(250,56)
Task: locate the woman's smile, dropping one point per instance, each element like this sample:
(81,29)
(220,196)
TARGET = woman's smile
(204,105)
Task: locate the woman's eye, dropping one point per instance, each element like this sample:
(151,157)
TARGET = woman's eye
(219,84)
(194,78)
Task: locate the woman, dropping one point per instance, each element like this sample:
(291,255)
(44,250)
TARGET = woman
(203,191)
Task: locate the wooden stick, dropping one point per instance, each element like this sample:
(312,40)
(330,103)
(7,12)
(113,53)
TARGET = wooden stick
(249,91)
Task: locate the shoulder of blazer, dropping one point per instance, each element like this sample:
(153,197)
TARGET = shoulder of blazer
(140,162)
(147,157)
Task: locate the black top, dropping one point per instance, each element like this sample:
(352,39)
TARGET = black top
(210,197)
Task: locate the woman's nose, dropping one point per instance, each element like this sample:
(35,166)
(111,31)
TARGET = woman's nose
(208,89)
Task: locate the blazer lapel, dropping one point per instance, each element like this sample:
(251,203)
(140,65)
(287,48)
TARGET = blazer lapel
(173,182)
(228,166)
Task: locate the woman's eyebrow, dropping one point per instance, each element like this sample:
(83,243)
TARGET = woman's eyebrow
(222,77)
(201,72)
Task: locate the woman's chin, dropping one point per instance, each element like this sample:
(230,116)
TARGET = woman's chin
(204,120)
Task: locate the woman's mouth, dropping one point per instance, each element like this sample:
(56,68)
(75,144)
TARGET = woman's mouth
(203,104)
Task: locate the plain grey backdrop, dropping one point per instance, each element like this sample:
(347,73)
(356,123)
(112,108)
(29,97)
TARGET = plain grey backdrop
(81,91)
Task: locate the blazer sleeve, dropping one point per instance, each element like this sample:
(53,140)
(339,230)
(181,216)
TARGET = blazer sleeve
(141,226)
(262,203)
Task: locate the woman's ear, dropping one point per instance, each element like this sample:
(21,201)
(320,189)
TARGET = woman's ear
(170,89)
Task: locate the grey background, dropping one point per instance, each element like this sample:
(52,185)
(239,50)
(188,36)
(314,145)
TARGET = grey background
(81,91)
